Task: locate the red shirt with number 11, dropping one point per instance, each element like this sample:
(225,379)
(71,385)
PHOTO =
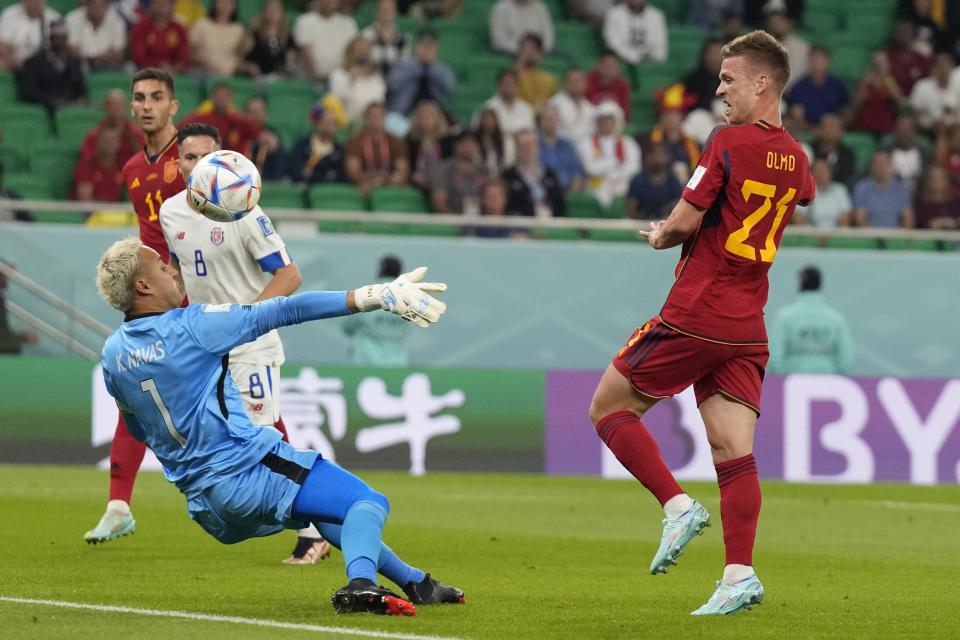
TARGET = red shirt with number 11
(750,179)
(149,183)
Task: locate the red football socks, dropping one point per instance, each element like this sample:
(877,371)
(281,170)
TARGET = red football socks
(739,507)
(126,454)
(634,446)
(282,428)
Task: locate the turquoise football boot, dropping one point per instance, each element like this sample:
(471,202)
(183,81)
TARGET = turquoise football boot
(732,598)
(677,534)
(112,525)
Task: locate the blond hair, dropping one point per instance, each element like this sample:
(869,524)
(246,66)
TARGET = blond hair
(116,270)
(762,49)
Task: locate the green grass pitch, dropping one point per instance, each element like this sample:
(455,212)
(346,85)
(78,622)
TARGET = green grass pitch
(538,557)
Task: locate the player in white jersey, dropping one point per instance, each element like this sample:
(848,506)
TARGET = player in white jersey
(243,261)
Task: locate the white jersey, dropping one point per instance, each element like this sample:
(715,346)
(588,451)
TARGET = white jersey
(225,262)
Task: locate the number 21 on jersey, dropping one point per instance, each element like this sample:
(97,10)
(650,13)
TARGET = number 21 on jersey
(737,241)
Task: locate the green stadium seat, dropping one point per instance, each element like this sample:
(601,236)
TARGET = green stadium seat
(436,230)
(13,160)
(335,197)
(871,30)
(282,195)
(649,76)
(853,243)
(849,61)
(30,186)
(820,23)
(556,234)
(248,9)
(8,88)
(481,69)
(675,11)
(612,235)
(584,205)
(58,169)
(24,125)
(459,38)
(243,89)
(617,210)
(577,41)
(100,83)
(913,245)
(399,199)
(73,119)
(863,146)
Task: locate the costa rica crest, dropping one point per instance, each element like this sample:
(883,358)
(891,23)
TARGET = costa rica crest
(216,235)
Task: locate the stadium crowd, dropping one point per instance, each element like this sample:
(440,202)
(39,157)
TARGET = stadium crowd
(561,109)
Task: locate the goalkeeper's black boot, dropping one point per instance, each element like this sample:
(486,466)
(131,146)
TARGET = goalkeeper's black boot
(431,591)
(363,596)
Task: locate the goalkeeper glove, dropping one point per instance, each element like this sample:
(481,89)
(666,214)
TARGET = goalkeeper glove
(406,296)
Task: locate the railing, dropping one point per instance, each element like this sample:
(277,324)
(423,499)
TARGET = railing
(510,222)
(60,305)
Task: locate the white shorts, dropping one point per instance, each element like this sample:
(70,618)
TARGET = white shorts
(258,386)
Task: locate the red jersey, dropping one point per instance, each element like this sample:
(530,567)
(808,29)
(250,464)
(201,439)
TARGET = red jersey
(159,45)
(149,183)
(107,181)
(749,179)
(130,141)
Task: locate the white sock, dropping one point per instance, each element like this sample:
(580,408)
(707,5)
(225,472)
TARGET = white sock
(733,573)
(310,531)
(118,506)
(677,506)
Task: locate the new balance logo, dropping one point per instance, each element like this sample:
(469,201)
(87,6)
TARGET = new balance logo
(258,407)
(181,235)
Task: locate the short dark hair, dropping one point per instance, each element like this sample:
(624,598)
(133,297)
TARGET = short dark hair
(506,71)
(821,48)
(152,73)
(534,38)
(390,267)
(198,129)
(810,279)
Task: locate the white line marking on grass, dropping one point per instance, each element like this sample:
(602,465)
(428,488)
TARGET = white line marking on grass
(883,504)
(206,617)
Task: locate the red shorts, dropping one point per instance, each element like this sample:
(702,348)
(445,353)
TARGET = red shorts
(660,362)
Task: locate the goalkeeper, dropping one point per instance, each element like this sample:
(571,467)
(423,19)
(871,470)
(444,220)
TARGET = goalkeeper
(167,369)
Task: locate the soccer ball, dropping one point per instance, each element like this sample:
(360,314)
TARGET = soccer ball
(224,186)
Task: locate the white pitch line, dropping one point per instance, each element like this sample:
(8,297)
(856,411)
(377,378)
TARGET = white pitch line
(206,617)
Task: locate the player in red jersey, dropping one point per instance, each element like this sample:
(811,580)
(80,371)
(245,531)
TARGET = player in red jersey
(710,332)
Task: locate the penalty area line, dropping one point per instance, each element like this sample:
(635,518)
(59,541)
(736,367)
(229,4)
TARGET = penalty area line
(207,617)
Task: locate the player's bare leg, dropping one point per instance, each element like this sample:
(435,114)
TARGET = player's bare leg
(730,431)
(126,454)
(616,412)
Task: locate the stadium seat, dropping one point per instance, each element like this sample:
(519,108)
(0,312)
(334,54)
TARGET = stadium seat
(852,243)
(335,197)
(820,23)
(281,194)
(863,146)
(674,10)
(583,205)
(649,76)
(13,160)
(871,29)
(58,170)
(247,9)
(577,42)
(36,187)
(556,234)
(398,199)
(24,125)
(459,38)
(616,210)
(243,89)
(612,235)
(8,88)
(73,119)
(100,83)
(436,230)
(849,61)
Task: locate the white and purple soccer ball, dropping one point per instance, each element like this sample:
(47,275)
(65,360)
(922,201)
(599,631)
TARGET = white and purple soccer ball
(224,186)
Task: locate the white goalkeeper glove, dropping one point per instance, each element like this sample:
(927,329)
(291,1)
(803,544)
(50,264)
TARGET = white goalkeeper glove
(406,296)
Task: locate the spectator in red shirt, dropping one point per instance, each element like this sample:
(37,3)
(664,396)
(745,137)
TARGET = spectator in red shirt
(876,98)
(907,63)
(236,130)
(604,83)
(158,40)
(936,204)
(100,178)
(115,109)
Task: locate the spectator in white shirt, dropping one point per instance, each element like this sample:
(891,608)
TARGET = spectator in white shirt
(510,20)
(908,157)
(24,29)
(934,97)
(833,206)
(322,34)
(357,83)
(636,32)
(576,112)
(97,34)
(609,157)
(513,113)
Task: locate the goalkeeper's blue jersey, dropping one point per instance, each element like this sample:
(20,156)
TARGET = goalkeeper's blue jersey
(168,373)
